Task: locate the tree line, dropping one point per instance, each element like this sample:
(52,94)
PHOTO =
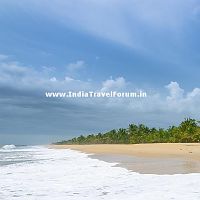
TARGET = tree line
(187,131)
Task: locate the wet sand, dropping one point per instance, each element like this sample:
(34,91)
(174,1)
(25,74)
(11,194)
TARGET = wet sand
(168,158)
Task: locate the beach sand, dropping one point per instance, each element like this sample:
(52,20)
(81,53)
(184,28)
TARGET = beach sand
(165,158)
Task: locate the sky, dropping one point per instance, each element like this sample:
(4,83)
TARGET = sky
(91,45)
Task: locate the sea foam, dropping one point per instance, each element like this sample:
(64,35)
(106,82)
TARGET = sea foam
(10,146)
(67,174)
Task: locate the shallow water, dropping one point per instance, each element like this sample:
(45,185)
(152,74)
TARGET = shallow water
(40,173)
(150,165)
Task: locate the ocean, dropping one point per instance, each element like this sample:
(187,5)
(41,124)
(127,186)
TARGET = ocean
(40,173)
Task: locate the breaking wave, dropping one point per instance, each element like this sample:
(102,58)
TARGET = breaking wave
(9,146)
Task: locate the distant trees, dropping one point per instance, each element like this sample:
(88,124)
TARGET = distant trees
(187,131)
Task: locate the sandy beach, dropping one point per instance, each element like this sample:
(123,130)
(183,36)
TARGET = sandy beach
(165,158)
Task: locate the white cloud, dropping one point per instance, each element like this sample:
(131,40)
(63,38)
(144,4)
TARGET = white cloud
(15,75)
(13,68)
(176,105)
(79,64)
(175,91)
(113,84)
(181,101)
(173,106)
(195,93)
(53,79)
(68,79)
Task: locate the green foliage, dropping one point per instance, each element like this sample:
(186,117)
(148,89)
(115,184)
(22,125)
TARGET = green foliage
(187,131)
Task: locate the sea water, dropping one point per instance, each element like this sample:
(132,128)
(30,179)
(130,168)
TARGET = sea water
(39,173)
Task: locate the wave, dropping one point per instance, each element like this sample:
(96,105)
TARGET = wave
(81,177)
(9,146)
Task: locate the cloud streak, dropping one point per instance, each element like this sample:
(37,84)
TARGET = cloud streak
(125,22)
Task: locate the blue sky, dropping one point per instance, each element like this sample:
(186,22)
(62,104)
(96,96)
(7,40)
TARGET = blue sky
(151,45)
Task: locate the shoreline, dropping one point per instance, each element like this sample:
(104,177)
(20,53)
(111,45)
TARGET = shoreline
(157,158)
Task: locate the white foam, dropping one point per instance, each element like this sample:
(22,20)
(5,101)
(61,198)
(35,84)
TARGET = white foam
(67,174)
(8,147)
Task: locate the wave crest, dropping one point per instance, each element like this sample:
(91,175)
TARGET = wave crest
(9,146)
